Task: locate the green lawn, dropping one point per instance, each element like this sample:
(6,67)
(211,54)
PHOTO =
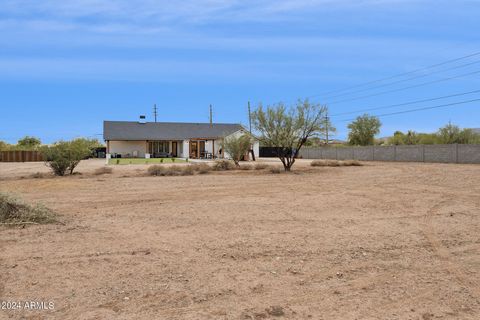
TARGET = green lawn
(145,161)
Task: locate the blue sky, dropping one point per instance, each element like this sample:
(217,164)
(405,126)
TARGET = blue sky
(65,66)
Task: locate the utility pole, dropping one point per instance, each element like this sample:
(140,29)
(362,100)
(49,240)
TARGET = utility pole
(155,112)
(249,118)
(211,116)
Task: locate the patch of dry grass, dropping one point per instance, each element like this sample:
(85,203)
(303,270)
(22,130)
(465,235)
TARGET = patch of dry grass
(201,168)
(103,170)
(160,170)
(276,170)
(14,211)
(335,163)
(40,175)
(261,166)
(224,165)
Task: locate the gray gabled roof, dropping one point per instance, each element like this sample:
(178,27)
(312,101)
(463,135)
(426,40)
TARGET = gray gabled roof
(130,130)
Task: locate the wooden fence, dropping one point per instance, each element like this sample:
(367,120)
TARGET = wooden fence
(20,156)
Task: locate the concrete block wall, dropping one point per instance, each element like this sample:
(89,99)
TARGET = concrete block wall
(451,153)
(468,153)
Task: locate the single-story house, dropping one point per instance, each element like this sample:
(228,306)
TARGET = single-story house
(131,139)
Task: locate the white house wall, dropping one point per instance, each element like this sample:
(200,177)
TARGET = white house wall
(185,149)
(128,147)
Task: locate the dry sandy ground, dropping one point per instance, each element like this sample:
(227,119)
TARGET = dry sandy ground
(382,241)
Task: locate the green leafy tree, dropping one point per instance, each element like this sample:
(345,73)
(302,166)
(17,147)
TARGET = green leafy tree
(287,129)
(449,134)
(4,146)
(64,156)
(398,138)
(427,138)
(411,138)
(363,130)
(28,142)
(237,147)
(468,136)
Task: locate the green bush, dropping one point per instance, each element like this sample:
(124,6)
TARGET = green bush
(237,147)
(64,156)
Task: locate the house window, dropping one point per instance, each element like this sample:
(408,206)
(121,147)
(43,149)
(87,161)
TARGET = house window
(158,147)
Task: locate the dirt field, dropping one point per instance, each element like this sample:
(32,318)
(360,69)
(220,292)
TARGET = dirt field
(382,241)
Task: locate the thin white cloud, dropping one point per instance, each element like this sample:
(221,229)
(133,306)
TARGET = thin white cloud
(151,14)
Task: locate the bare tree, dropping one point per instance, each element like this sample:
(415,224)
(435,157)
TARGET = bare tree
(287,129)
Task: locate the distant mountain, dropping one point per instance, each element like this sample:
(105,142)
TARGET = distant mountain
(476,130)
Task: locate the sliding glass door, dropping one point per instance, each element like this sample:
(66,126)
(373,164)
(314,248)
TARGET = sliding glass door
(158,148)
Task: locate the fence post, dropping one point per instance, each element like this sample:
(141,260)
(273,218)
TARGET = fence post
(373,153)
(423,153)
(336,153)
(394,153)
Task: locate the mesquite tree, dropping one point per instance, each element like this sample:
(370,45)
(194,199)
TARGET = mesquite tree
(287,129)
(237,147)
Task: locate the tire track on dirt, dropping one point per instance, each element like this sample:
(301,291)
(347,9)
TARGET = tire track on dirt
(443,253)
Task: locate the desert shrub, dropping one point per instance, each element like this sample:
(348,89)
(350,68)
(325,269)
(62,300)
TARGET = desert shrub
(155,170)
(276,170)
(335,163)
(349,163)
(158,170)
(201,168)
(103,170)
(237,147)
(39,175)
(15,211)
(246,167)
(261,166)
(319,163)
(173,160)
(64,156)
(223,165)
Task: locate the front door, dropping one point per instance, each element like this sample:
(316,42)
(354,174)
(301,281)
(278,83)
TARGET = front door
(174,149)
(193,149)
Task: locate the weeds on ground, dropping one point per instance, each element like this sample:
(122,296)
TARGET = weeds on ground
(276,170)
(103,170)
(159,170)
(14,211)
(335,163)
(246,167)
(40,175)
(201,168)
(260,166)
(224,165)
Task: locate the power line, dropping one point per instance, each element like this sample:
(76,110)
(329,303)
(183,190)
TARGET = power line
(420,109)
(405,80)
(406,88)
(399,75)
(404,104)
